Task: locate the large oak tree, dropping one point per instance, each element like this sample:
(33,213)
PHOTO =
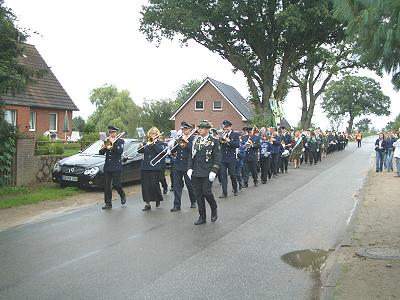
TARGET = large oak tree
(260,38)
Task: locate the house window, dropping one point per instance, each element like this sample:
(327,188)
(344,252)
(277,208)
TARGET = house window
(53,121)
(199,105)
(32,121)
(217,105)
(11,117)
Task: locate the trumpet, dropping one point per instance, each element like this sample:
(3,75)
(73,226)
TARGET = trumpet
(109,142)
(134,150)
(180,141)
(223,139)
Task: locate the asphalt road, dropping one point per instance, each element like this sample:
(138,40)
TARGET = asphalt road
(129,254)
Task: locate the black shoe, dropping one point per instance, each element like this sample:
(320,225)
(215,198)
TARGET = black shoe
(146,207)
(264,182)
(193,205)
(286,171)
(174,209)
(171,189)
(107,206)
(235,193)
(157,203)
(246,185)
(255,183)
(214,215)
(165,190)
(200,221)
(223,196)
(123,199)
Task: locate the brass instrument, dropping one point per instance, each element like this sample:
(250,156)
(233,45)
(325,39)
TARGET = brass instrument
(109,142)
(223,139)
(180,141)
(133,150)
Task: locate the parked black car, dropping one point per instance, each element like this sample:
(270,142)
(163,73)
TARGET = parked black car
(86,168)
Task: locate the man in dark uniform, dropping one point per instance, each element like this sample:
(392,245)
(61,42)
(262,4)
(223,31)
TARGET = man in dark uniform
(203,166)
(229,143)
(251,143)
(287,140)
(113,167)
(182,152)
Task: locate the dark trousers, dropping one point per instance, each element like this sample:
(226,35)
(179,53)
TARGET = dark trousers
(313,155)
(179,176)
(274,163)
(202,189)
(230,167)
(250,166)
(265,165)
(163,180)
(112,180)
(359,143)
(284,162)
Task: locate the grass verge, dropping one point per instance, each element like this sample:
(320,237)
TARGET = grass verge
(17,196)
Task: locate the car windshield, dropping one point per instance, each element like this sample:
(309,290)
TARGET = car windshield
(93,148)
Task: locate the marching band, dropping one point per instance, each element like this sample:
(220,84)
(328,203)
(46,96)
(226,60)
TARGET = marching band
(200,154)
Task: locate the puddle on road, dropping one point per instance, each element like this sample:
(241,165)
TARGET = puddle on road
(309,260)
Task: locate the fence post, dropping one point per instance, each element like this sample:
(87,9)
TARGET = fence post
(24,161)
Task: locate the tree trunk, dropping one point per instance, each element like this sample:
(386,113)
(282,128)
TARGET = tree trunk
(351,120)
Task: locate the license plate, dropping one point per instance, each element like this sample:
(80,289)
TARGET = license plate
(69,178)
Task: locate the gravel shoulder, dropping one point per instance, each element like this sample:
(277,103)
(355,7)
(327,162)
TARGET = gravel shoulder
(376,225)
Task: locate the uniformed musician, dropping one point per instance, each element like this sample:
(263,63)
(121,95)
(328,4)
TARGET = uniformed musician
(112,167)
(150,174)
(229,143)
(181,152)
(203,166)
(251,143)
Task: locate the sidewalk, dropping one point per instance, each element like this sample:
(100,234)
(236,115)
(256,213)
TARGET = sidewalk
(376,224)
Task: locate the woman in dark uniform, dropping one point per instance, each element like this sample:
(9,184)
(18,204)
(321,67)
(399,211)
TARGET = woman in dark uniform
(151,174)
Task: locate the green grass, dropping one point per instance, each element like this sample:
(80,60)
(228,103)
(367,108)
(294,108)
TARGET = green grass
(17,196)
(69,152)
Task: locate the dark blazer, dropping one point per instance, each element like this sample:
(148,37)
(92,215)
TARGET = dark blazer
(228,150)
(113,161)
(383,145)
(251,153)
(149,152)
(276,145)
(287,138)
(205,158)
(182,156)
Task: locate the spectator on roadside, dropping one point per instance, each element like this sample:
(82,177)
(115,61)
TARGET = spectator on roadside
(396,155)
(380,147)
(388,164)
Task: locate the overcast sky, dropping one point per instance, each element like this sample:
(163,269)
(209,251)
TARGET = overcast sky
(94,42)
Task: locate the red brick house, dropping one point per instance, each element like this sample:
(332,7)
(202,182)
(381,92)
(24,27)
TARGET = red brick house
(44,105)
(215,101)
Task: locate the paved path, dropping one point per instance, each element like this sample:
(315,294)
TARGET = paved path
(128,254)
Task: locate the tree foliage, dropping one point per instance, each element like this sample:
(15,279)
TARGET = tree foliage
(375,26)
(314,71)
(355,96)
(394,125)
(260,38)
(363,124)
(15,77)
(114,107)
(157,113)
(186,90)
(78,124)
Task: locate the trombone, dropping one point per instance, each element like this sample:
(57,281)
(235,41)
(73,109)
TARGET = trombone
(180,141)
(134,150)
(109,144)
